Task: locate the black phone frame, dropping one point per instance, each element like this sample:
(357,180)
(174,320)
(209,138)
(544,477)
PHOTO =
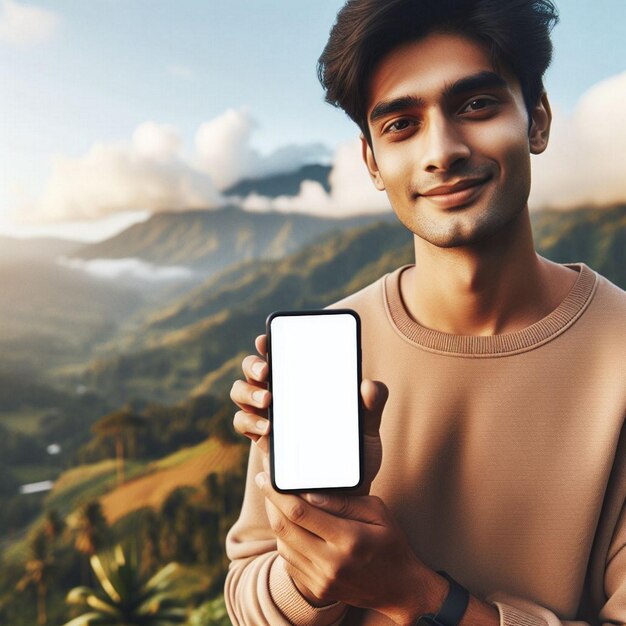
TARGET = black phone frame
(292,313)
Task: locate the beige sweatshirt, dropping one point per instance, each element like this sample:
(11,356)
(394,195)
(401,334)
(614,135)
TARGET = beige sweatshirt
(504,460)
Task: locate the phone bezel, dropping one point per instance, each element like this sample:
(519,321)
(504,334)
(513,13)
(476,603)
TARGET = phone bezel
(293,313)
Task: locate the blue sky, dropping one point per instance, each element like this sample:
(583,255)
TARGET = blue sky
(103,67)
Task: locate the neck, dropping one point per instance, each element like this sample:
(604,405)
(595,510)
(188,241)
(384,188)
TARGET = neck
(497,286)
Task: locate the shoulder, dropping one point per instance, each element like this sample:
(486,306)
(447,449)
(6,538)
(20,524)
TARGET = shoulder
(366,299)
(610,292)
(610,299)
(604,320)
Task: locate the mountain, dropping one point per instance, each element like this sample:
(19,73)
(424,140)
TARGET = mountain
(51,315)
(172,352)
(284,184)
(211,240)
(595,236)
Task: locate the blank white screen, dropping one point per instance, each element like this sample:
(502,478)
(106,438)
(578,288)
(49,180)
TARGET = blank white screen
(315,401)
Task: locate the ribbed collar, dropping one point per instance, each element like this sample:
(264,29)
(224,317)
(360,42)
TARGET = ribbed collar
(528,338)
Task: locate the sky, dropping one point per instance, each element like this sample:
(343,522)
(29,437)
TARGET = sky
(112,109)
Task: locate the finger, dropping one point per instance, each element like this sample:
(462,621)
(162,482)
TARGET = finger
(261,345)
(296,561)
(250,425)
(299,545)
(298,511)
(245,395)
(366,509)
(263,443)
(254,369)
(374,394)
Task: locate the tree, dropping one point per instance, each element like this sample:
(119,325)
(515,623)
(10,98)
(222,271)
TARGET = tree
(121,425)
(53,525)
(126,598)
(90,530)
(213,490)
(39,570)
(149,537)
(173,505)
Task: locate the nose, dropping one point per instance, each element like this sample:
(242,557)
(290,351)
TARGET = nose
(444,145)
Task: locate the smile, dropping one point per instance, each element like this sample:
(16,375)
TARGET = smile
(456,195)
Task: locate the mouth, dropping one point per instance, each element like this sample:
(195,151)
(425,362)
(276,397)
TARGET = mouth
(459,194)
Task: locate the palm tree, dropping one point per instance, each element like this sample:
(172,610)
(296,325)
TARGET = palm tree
(122,425)
(149,538)
(90,530)
(53,525)
(126,598)
(39,570)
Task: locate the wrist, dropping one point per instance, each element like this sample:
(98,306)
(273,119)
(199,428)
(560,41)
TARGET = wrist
(308,595)
(423,592)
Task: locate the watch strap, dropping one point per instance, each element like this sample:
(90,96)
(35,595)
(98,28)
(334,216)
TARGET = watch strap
(455,604)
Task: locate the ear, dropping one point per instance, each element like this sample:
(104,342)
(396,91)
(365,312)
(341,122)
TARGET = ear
(370,163)
(540,125)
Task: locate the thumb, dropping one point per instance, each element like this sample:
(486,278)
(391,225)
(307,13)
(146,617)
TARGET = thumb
(374,394)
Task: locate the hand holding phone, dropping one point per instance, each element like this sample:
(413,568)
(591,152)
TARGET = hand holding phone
(250,394)
(316,432)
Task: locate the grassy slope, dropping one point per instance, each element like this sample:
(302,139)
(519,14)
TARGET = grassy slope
(148,484)
(185,468)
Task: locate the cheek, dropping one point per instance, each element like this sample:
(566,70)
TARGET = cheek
(395,170)
(508,144)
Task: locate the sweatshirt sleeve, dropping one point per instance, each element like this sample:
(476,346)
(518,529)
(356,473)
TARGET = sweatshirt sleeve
(515,611)
(258,591)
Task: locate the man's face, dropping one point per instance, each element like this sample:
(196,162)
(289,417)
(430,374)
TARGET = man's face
(450,139)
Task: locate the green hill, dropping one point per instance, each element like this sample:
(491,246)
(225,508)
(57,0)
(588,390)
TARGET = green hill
(211,240)
(178,347)
(595,236)
(51,315)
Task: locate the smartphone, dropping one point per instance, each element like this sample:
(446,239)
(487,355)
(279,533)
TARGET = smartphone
(315,412)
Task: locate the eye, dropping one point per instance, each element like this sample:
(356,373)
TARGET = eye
(479,104)
(400,125)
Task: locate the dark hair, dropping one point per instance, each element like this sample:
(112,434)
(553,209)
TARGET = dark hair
(516,31)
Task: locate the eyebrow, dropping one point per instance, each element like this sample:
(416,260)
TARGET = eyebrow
(481,80)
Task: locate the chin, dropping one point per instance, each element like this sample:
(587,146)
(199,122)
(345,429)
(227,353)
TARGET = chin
(457,232)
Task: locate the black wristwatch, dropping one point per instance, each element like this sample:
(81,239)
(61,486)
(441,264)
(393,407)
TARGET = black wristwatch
(452,609)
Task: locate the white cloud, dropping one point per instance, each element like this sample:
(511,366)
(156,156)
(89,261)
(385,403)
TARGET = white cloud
(223,146)
(584,162)
(156,142)
(132,268)
(25,24)
(151,172)
(225,152)
(146,174)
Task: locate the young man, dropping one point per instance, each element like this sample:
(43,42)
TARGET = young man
(493,378)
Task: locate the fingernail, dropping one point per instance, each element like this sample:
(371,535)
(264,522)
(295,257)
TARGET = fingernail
(257,368)
(262,425)
(260,479)
(258,395)
(316,498)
